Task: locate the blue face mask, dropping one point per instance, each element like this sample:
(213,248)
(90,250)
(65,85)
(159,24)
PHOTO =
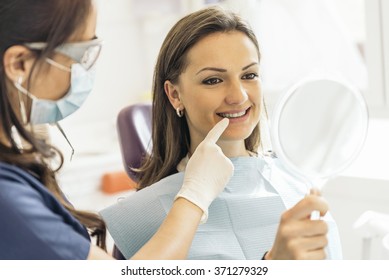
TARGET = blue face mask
(52,111)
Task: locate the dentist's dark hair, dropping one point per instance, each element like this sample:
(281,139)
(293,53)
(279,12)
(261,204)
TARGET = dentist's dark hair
(170,134)
(53,22)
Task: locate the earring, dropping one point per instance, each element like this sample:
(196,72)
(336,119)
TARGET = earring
(22,106)
(180,113)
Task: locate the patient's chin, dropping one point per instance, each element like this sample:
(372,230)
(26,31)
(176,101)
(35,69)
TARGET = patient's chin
(236,135)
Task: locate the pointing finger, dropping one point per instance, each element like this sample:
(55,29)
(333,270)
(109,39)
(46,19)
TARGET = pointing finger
(215,133)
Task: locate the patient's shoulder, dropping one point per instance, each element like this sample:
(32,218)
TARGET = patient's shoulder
(169,184)
(166,188)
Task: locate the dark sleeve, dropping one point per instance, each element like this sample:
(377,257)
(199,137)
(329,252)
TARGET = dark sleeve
(117,254)
(31,230)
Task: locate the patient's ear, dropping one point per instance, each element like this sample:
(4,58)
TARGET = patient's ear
(172,93)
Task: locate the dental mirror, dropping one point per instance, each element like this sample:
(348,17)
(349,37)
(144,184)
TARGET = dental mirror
(318,128)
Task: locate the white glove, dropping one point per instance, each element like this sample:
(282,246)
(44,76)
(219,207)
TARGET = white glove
(207,172)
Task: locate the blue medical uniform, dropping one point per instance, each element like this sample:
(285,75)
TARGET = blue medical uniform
(242,222)
(34,225)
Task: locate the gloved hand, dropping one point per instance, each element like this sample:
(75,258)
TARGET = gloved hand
(207,172)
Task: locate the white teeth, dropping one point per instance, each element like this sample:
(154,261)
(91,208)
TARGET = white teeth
(236,115)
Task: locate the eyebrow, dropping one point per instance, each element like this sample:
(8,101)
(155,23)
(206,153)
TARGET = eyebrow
(224,70)
(248,66)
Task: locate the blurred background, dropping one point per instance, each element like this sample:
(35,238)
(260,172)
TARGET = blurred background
(297,38)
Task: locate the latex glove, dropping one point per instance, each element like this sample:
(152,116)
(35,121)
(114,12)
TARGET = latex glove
(207,172)
(299,237)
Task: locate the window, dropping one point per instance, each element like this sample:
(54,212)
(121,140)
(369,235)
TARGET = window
(377,55)
(304,37)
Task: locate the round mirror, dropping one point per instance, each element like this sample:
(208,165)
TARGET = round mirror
(319,127)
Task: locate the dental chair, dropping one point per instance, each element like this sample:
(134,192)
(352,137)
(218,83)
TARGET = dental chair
(373,228)
(134,131)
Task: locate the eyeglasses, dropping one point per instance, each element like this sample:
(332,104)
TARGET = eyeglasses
(86,53)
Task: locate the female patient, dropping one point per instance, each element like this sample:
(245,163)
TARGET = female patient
(207,70)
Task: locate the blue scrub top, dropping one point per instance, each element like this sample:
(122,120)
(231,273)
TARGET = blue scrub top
(33,223)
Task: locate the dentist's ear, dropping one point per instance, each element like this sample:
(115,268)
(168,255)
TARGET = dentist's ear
(173,95)
(17,62)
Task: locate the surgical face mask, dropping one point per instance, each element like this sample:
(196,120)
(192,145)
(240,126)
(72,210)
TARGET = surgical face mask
(52,111)
(85,54)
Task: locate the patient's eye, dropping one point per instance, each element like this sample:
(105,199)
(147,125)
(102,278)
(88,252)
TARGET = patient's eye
(250,76)
(212,81)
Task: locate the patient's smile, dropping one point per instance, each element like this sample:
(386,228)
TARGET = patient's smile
(235,115)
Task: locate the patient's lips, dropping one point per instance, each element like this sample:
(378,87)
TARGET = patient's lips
(236,115)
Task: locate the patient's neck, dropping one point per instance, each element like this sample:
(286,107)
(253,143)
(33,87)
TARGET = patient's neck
(233,148)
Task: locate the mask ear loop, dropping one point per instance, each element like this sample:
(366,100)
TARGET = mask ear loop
(66,138)
(58,65)
(22,106)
